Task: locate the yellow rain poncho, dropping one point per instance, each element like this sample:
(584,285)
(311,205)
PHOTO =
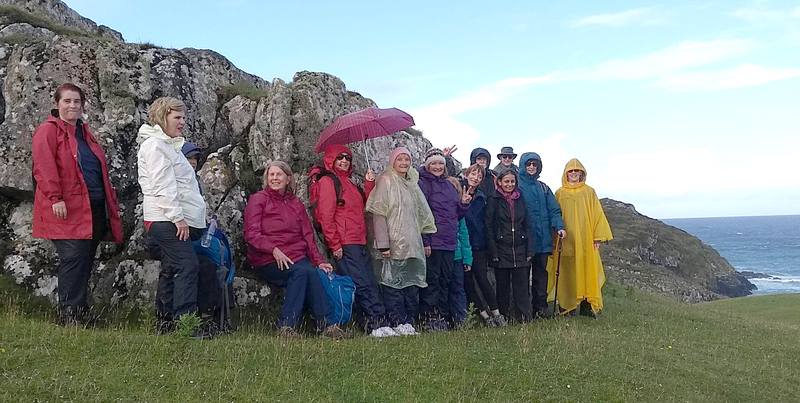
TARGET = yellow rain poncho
(581,276)
(400,200)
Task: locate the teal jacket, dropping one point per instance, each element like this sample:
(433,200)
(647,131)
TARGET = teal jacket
(541,205)
(463,248)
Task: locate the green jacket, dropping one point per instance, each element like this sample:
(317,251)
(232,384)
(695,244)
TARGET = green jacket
(463,248)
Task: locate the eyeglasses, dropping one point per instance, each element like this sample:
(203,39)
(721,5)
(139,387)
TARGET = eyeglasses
(344,157)
(507,157)
(574,171)
(531,163)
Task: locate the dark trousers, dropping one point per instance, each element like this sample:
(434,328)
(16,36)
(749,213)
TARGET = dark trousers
(177,280)
(433,299)
(76,258)
(402,304)
(356,263)
(514,280)
(539,284)
(457,296)
(303,288)
(476,281)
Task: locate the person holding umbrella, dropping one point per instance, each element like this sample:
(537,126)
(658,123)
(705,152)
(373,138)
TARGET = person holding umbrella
(545,219)
(341,218)
(400,215)
(581,275)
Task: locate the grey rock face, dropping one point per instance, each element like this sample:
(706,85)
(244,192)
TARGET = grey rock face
(241,121)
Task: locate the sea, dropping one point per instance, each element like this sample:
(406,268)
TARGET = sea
(766,244)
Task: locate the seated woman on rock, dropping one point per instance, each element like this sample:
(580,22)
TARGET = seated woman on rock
(580,277)
(74,203)
(282,249)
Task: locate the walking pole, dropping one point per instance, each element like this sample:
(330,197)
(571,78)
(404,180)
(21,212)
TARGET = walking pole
(558,271)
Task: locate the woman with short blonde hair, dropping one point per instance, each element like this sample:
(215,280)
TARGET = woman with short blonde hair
(174,210)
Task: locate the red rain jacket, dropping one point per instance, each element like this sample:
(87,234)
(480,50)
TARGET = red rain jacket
(341,225)
(273,220)
(59,177)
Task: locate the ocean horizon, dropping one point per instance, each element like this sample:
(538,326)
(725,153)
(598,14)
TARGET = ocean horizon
(768,245)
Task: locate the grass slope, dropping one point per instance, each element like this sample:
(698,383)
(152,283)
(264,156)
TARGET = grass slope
(643,347)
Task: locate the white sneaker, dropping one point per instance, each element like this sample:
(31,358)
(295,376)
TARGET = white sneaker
(385,331)
(406,330)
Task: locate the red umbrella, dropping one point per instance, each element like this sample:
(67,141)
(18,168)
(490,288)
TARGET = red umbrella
(362,125)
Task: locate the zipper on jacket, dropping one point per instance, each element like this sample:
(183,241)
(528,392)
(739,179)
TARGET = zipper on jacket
(513,246)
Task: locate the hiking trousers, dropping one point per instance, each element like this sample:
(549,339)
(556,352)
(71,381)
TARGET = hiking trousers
(177,280)
(480,291)
(517,281)
(303,289)
(357,264)
(539,284)
(434,299)
(76,258)
(457,296)
(402,304)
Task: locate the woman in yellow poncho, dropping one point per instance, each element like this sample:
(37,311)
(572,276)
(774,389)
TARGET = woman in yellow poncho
(400,214)
(581,275)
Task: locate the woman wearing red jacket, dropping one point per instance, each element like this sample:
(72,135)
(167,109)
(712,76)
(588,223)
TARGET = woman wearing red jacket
(345,232)
(74,203)
(281,248)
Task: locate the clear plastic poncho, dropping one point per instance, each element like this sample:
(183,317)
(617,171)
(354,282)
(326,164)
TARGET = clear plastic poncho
(400,200)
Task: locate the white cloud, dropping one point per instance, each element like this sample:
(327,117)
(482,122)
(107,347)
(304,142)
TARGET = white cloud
(746,75)
(638,16)
(674,58)
(762,14)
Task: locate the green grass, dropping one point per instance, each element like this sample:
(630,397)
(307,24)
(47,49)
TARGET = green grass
(247,90)
(643,347)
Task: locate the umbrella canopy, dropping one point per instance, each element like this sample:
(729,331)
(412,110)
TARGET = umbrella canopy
(362,125)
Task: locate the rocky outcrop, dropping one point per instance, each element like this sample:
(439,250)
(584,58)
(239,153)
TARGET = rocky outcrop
(650,255)
(240,120)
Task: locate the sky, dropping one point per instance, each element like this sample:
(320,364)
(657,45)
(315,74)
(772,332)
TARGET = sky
(682,108)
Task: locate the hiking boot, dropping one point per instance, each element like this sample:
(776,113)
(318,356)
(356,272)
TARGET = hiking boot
(164,327)
(385,331)
(406,329)
(205,331)
(334,332)
(68,316)
(499,321)
(586,310)
(436,325)
(287,332)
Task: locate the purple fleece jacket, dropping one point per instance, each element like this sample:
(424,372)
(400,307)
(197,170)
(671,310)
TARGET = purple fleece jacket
(447,209)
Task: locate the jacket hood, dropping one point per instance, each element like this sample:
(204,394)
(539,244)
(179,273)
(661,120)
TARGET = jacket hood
(147,132)
(331,152)
(478,152)
(573,164)
(523,163)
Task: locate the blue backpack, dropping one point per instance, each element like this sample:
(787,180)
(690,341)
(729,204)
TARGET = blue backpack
(340,291)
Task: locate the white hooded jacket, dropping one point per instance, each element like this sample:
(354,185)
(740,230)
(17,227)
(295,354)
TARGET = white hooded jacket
(168,182)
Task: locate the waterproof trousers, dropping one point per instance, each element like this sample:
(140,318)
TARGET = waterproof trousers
(517,281)
(76,258)
(402,304)
(177,280)
(303,289)
(433,301)
(357,264)
(480,291)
